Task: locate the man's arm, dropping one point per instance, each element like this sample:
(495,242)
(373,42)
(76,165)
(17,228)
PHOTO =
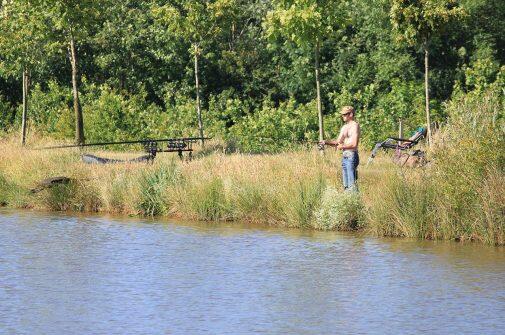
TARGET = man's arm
(332,143)
(335,143)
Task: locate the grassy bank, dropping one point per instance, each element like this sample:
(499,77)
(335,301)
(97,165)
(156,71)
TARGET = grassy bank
(455,197)
(459,194)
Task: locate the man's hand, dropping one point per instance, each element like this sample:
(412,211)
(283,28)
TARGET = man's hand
(340,146)
(321,144)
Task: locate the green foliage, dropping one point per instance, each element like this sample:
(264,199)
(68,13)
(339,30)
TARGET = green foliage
(71,19)
(385,110)
(460,195)
(155,187)
(50,110)
(111,116)
(416,21)
(271,128)
(256,64)
(303,22)
(225,111)
(484,67)
(339,211)
(179,119)
(6,114)
(196,21)
(22,39)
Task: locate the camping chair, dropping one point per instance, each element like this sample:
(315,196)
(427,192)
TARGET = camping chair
(401,144)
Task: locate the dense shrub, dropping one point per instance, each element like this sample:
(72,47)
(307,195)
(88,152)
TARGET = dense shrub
(50,110)
(273,128)
(7,114)
(112,116)
(339,211)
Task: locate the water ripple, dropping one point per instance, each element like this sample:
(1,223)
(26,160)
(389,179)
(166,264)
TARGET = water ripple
(93,275)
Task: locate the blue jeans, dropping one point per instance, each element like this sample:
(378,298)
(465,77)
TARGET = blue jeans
(350,162)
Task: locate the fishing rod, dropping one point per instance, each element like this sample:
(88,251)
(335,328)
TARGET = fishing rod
(151,147)
(272,140)
(144,141)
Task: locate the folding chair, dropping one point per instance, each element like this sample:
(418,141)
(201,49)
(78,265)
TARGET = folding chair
(401,144)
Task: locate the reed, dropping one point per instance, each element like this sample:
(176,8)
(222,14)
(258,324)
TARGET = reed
(461,193)
(155,188)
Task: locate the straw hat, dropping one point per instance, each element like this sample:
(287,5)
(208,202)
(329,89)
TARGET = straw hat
(347,110)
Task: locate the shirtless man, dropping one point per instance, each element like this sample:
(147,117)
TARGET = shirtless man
(348,141)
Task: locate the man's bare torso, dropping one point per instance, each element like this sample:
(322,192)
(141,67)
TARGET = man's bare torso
(349,135)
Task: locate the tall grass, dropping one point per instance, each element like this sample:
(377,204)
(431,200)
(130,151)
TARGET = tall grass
(459,195)
(154,185)
(4,189)
(302,201)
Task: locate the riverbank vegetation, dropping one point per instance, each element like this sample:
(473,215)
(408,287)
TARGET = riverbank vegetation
(459,194)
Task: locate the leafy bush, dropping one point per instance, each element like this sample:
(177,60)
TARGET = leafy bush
(179,119)
(379,111)
(272,129)
(50,110)
(225,110)
(339,211)
(7,113)
(111,116)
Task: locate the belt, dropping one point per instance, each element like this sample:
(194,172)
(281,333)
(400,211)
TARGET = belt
(349,153)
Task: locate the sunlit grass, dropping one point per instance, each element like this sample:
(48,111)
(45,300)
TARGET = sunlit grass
(294,189)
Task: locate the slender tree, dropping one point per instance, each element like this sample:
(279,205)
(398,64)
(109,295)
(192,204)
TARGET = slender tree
(415,22)
(198,22)
(306,23)
(22,46)
(72,22)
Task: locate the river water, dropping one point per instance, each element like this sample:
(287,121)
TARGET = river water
(62,274)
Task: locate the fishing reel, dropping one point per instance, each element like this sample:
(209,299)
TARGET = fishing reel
(151,148)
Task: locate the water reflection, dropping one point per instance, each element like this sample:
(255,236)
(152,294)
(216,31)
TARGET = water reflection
(115,275)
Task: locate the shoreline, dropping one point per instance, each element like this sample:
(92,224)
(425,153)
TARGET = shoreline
(296,189)
(249,225)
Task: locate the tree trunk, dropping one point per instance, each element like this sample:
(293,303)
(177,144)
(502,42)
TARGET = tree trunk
(79,124)
(318,91)
(198,107)
(400,130)
(25,106)
(427,92)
